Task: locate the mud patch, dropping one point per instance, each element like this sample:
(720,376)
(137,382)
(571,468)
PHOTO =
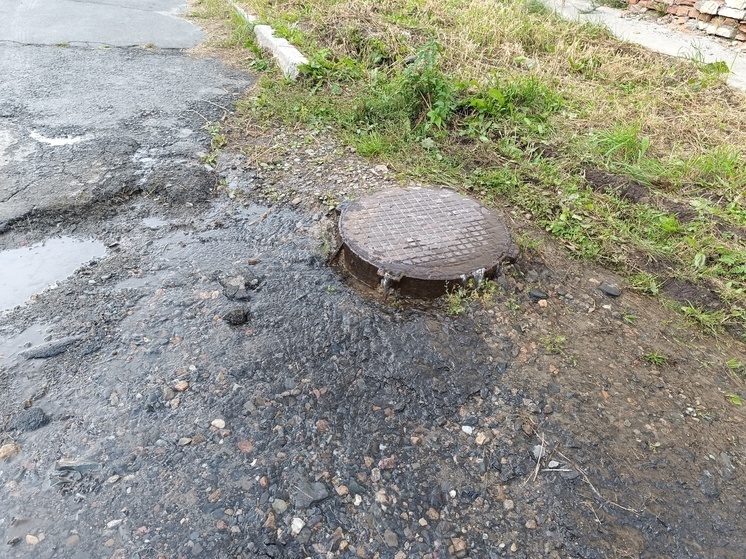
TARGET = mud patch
(622,187)
(687,292)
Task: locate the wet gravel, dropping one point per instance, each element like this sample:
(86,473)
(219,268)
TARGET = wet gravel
(231,395)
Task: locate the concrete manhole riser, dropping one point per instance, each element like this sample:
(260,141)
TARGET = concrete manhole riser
(422,241)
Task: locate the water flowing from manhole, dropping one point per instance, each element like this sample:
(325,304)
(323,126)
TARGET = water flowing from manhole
(29,270)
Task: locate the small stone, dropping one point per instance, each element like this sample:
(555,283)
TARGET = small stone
(508,504)
(181,385)
(481,438)
(31,539)
(72,540)
(387,463)
(113,479)
(218,423)
(422,522)
(297,200)
(297,526)
(375,475)
(183,441)
(468,429)
(391,539)
(459,544)
(433,514)
(342,490)
(610,289)
(400,555)
(29,420)
(543,303)
(358,500)
(114,523)
(538,452)
(531,524)
(538,294)
(307,494)
(553,464)
(9,450)
(279,506)
(236,316)
(513,547)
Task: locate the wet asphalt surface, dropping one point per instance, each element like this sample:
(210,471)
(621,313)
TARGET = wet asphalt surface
(83,120)
(208,387)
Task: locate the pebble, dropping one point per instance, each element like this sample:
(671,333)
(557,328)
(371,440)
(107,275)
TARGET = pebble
(508,504)
(553,464)
(181,385)
(610,289)
(297,526)
(218,423)
(538,451)
(538,294)
(9,450)
(391,539)
(481,438)
(342,490)
(31,539)
(279,506)
(183,441)
(113,479)
(114,523)
(468,429)
(72,540)
(236,316)
(375,475)
(29,420)
(531,524)
(307,494)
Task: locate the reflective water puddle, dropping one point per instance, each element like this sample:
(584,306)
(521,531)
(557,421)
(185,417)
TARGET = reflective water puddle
(29,270)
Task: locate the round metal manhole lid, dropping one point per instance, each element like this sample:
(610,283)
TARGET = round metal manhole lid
(423,233)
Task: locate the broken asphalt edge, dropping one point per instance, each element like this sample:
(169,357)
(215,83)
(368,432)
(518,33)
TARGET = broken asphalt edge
(288,58)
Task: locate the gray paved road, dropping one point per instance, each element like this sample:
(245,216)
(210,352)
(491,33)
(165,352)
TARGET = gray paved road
(87,112)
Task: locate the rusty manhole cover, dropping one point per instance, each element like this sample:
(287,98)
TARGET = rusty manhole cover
(422,240)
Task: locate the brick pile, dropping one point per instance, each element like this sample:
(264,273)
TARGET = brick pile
(724,18)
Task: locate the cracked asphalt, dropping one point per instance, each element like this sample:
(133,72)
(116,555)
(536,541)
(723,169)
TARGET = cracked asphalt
(102,97)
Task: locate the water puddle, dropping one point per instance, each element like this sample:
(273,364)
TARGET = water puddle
(29,270)
(11,347)
(66,141)
(154,222)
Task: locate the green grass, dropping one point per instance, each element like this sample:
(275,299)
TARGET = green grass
(515,105)
(655,358)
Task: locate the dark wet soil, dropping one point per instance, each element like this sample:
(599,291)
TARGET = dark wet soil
(230,395)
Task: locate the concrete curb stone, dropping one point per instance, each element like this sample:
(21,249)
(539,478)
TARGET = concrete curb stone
(288,58)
